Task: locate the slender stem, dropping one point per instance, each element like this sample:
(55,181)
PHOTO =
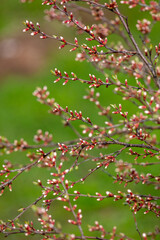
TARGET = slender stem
(137,229)
(148,65)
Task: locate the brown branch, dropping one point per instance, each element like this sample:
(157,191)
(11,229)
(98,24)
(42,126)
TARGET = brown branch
(21,170)
(149,67)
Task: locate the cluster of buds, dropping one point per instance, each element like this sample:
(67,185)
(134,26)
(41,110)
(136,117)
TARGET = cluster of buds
(9,147)
(87,145)
(152,7)
(143,26)
(48,2)
(138,203)
(51,15)
(66,77)
(146,154)
(95,82)
(35,29)
(46,137)
(131,3)
(97,12)
(73,116)
(6,168)
(42,95)
(116,197)
(157,48)
(139,134)
(112,5)
(101,30)
(133,176)
(98,227)
(29,229)
(47,222)
(69,209)
(108,159)
(49,161)
(63,148)
(122,166)
(119,111)
(63,42)
(136,69)
(78,218)
(4,183)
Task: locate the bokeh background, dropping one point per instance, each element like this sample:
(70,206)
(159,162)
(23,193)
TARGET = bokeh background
(25,63)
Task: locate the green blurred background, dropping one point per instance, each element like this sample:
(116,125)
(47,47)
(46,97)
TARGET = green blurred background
(25,63)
